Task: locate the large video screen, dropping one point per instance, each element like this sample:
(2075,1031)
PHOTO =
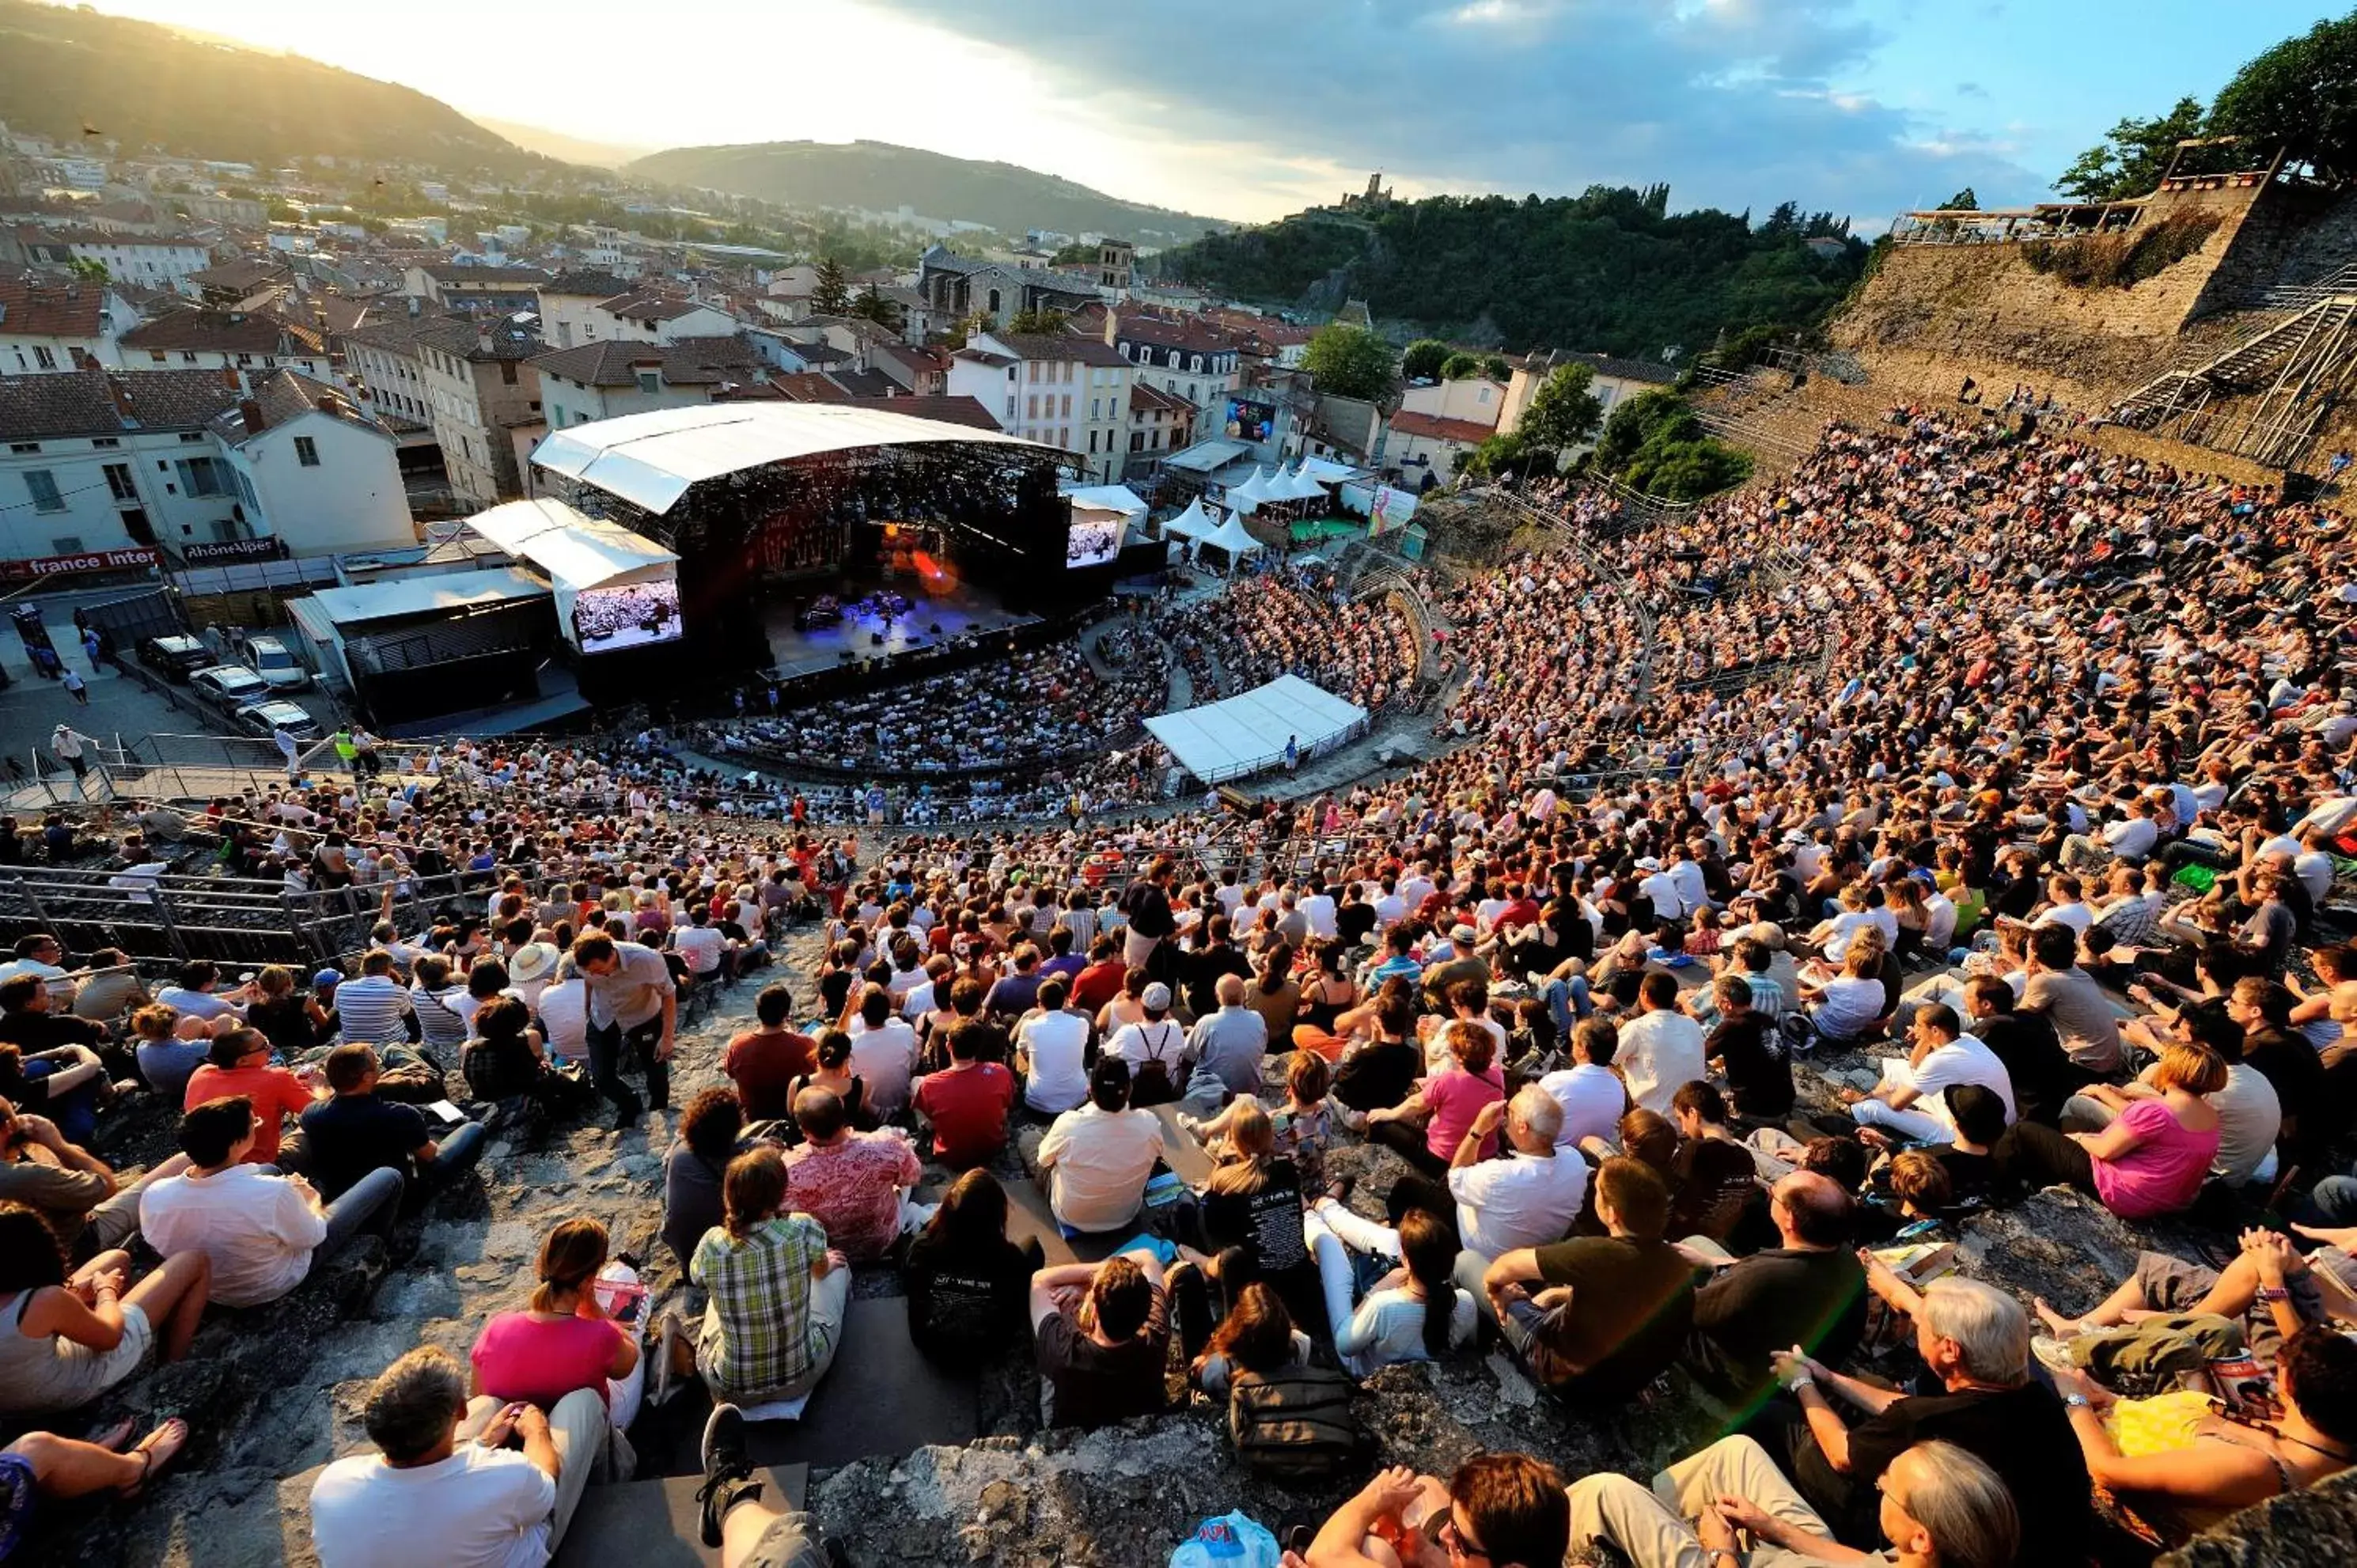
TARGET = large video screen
(605,620)
(1250,421)
(1092,542)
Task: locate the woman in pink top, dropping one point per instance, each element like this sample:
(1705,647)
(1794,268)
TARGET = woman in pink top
(563,1341)
(1425,1128)
(2152,1160)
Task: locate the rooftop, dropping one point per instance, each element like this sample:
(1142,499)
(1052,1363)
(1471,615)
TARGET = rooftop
(1432,428)
(283,398)
(227,332)
(101,403)
(36,307)
(691,362)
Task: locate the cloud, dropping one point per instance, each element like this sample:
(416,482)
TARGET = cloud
(1735,102)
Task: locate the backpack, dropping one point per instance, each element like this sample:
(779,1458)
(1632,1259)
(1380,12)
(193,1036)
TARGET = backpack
(1295,1425)
(1152,1085)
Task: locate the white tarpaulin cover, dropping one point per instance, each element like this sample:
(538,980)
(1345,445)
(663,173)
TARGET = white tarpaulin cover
(1107,498)
(576,551)
(1325,471)
(1205,456)
(1233,537)
(651,459)
(1246,733)
(1192,523)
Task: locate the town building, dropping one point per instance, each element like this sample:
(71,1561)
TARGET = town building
(101,460)
(1160,423)
(1616,379)
(950,288)
(149,262)
(1431,443)
(1180,354)
(469,381)
(51,324)
(1062,390)
(458,286)
(603,380)
(253,343)
(313,469)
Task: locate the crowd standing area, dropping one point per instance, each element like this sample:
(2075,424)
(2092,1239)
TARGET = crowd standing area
(1619,1139)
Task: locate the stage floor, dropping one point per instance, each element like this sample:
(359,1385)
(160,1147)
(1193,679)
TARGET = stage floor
(959,611)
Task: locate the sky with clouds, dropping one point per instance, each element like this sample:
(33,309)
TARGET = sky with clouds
(1862,107)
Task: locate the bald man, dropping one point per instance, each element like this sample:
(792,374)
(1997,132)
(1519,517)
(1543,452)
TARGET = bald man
(1808,1290)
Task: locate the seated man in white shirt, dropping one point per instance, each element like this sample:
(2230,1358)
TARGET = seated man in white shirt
(705,951)
(259,1229)
(1591,1094)
(443,1486)
(883,1051)
(1911,1104)
(1050,1050)
(1094,1161)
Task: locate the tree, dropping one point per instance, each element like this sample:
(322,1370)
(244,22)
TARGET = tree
(964,329)
(1350,361)
(1423,358)
(89,267)
(1565,410)
(832,297)
(1039,322)
(1638,421)
(1497,366)
(1964,201)
(2131,156)
(1458,367)
(873,306)
(2302,94)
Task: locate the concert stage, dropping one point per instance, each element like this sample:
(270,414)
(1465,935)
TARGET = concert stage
(959,610)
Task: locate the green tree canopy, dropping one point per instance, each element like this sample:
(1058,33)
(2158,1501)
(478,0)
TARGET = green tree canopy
(2131,156)
(875,308)
(1964,201)
(1423,358)
(2303,94)
(1497,366)
(1350,361)
(1036,321)
(1638,420)
(1655,443)
(832,297)
(1458,367)
(1565,410)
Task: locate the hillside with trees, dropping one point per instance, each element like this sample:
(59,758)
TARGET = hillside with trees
(1610,270)
(64,72)
(881,177)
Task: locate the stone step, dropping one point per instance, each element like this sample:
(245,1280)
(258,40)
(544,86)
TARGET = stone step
(656,1523)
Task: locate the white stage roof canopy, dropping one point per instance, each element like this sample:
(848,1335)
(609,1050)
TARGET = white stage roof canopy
(446,592)
(1246,733)
(651,459)
(576,550)
(1107,498)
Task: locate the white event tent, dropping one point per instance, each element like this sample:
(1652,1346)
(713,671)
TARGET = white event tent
(1233,537)
(1246,733)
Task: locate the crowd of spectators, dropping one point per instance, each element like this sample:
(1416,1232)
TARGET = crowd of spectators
(2043,787)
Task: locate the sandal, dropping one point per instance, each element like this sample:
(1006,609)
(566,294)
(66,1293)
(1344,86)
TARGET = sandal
(156,1451)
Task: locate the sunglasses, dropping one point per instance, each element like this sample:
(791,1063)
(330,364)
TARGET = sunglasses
(1454,1540)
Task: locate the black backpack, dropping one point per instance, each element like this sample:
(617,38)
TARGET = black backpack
(1295,1425)
(1152,1084)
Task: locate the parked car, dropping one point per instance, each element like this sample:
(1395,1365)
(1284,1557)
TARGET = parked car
(228,685)
(176,657)
(267,718)
(270,658)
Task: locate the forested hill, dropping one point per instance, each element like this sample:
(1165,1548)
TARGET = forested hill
(882,178)
(1610,270)
(140,85)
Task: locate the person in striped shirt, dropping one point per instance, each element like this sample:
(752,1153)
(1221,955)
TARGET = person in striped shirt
(374,1009)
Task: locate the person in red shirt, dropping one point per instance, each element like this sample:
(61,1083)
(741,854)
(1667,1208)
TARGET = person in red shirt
(1101,982)
(764,1062)
(967,1106)
(240,1064)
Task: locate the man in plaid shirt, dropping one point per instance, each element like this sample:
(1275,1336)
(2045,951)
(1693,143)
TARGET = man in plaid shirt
(779,1294)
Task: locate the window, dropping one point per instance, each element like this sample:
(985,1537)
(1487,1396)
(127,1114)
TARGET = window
(651,380)
(23,446)
(307,452)
(200,477)
(190,438)
(1137,441)
(43,485)
(1096,408)
(1064,438)
(119,483)
(1068,405)
(46,359)
(66,544)
(506,372)
(99,442)
(244,359)
(1031,406)
(245,488)
(1195,361)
